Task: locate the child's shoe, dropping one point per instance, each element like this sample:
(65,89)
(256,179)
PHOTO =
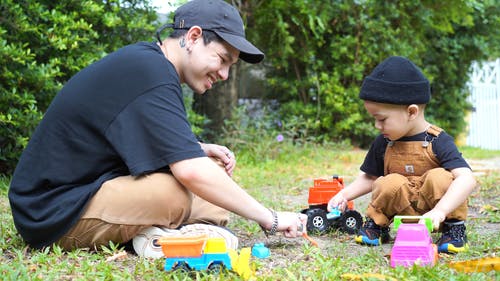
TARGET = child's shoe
(372,234)
(453,240)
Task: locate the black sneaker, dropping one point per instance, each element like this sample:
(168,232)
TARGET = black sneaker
(453,240)
(372,234)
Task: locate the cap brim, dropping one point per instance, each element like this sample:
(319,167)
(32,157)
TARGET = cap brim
(248,52)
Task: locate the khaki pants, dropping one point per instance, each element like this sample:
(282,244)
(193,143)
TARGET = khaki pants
(126,205)
(395,194)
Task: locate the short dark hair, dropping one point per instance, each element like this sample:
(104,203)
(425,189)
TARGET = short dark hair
(208,35)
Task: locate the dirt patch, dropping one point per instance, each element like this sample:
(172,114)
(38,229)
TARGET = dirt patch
(483,167)
(477,216)
(288,251)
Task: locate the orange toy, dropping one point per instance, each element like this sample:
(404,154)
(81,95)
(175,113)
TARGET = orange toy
(318,218)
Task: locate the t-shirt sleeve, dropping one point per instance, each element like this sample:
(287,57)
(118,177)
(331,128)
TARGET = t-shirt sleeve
(447,152)
(153,131)
(374,160)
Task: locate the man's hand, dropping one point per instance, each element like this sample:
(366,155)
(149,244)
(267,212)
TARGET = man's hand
(222,153)
(292,224)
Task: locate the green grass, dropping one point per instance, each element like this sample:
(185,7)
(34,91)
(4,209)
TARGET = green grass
(475,153)
(285,172)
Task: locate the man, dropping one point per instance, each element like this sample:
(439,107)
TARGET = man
(114,157)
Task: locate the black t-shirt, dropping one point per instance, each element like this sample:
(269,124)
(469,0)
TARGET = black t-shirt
(443,146)
(123,115)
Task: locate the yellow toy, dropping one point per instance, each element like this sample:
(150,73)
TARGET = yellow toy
(241,263)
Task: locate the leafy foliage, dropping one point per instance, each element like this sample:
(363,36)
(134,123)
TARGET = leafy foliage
(255,132)
(43,43)
(318,53)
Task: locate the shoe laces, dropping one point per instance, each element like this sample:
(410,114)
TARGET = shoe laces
(457,232)
(370,224)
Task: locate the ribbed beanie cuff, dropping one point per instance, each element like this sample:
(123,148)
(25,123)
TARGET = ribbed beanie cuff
(396,80)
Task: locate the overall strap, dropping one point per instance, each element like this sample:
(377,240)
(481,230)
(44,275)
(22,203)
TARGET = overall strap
(434,130)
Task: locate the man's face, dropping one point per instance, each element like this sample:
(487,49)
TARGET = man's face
(208,64)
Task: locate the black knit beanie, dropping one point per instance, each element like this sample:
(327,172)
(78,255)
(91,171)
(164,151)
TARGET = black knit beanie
(396,80)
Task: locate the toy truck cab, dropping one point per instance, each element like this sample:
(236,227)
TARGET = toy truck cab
(318,218)
(413,244)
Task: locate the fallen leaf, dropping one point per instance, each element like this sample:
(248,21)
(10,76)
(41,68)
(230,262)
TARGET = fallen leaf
(477,265)
(118,256)
(488,208)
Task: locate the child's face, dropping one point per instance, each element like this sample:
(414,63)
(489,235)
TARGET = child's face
(392,120)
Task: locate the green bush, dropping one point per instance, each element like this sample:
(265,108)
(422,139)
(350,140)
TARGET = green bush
(266,136)
(43,43)
(318,53)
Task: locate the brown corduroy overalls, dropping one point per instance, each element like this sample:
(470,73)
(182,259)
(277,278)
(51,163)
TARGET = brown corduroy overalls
(413,182)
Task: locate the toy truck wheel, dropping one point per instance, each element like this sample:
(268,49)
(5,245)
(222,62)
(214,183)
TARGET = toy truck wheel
(317,221)
(181,266)
(216,268)
(351,221)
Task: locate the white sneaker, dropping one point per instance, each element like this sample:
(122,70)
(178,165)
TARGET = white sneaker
(212,231)
(145,243)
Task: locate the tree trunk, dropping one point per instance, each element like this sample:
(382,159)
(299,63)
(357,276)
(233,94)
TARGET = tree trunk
(218,103)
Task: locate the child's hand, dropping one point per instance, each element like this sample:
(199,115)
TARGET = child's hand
(436,216)
(338,201)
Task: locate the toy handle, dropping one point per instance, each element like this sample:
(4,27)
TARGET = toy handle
(335,213)
(413,219)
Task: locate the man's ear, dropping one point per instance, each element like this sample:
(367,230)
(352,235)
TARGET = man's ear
(194,33)
(413,111)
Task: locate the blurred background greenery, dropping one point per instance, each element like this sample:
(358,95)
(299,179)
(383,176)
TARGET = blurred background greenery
(305,91)
(290,119)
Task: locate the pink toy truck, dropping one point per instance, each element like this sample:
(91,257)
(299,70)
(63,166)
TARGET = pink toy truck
(413,244)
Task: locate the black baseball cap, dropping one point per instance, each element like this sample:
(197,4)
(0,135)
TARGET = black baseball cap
(220,17)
